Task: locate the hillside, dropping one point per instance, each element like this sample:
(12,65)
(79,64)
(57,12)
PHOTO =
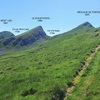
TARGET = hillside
(5,34)
(85,76)
(44,72)
(24,39)
(88,87)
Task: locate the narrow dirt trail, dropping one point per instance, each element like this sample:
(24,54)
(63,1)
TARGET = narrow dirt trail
(80,72)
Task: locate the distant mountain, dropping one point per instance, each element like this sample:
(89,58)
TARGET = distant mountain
(30,37)
(27,38)
(87,24)
(37,35)
(82,28)
(6,34)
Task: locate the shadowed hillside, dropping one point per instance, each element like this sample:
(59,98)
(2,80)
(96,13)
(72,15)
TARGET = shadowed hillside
(25,39)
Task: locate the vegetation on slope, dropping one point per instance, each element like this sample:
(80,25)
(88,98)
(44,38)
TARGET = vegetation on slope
(89,85)
(80,73)
(44,72)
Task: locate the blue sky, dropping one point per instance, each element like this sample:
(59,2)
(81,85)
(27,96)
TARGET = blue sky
(63,14)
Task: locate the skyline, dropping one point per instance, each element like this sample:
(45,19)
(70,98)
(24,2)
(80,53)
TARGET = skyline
(56,15)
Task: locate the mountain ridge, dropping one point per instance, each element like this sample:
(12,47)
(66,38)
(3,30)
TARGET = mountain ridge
(37,34)
(87,24)
(26,38)
(6,34)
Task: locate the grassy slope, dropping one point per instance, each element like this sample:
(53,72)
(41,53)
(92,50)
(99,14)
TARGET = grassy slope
(46,70)
(89,86)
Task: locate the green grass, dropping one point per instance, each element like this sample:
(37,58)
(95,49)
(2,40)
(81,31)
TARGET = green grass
(89,85)
(43,72)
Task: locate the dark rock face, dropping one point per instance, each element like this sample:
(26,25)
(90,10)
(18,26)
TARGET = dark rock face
(7,41)
(27,41)
(87,24)
(24,39)
(39,33)
(34,35)
(5,34)
(17,41)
